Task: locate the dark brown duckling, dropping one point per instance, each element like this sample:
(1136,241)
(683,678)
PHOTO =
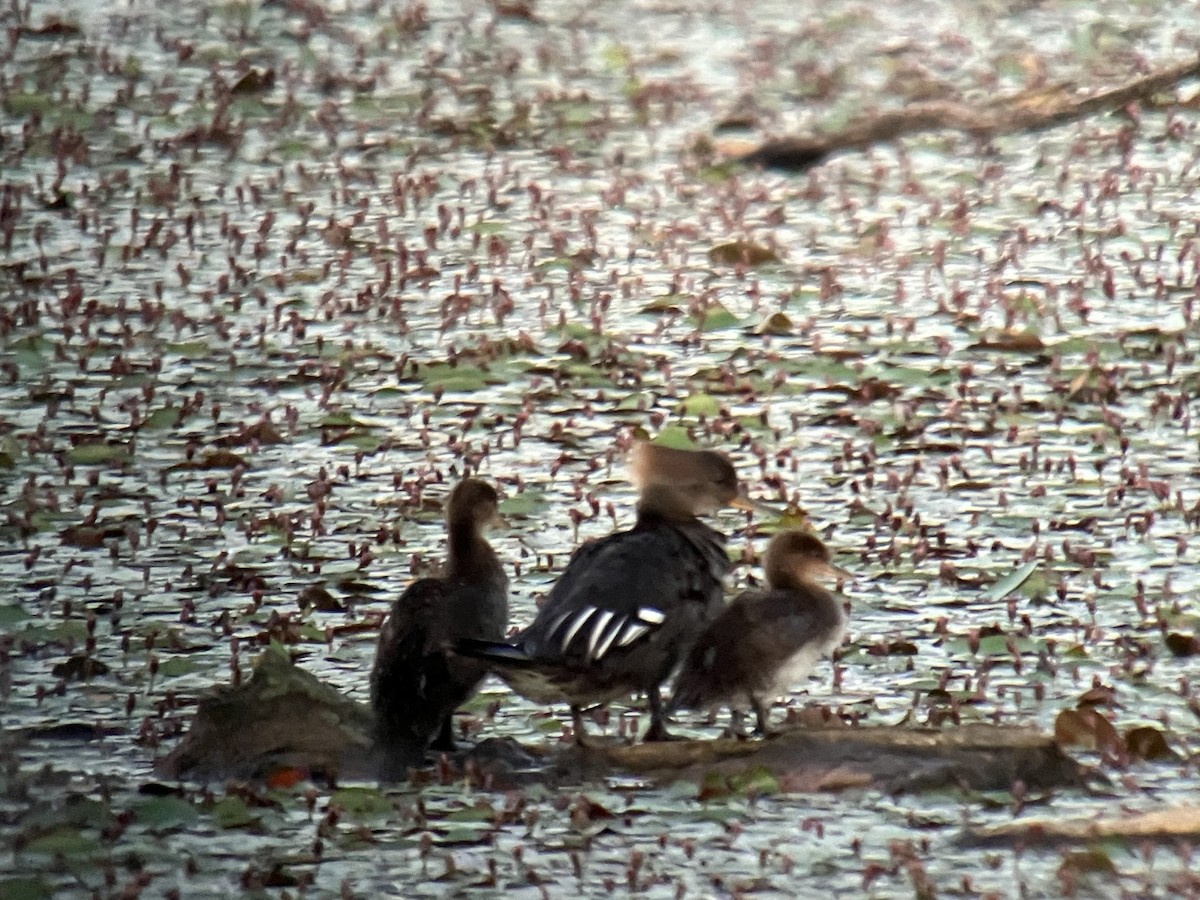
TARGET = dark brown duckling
(416,682)
(626,609)
(765,641)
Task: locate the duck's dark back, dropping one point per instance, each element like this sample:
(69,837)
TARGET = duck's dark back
(668,576)
(415,683)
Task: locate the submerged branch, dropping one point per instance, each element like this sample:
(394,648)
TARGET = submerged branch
(1026,111)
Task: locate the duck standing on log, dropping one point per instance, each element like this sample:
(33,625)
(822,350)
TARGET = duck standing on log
(629,606)
(765,641)
(416,682)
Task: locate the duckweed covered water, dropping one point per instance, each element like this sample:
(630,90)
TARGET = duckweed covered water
(272,275)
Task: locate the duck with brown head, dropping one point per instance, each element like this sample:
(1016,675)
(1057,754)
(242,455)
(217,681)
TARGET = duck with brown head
(628,606)
(765,641)
(416,682)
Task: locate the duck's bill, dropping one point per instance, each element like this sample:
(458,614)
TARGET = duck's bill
(840,573)
(746,504)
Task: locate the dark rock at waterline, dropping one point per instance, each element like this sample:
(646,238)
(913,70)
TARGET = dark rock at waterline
(283,718)
(286,718)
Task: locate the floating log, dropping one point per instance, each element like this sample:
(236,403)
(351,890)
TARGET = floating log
(1172,823)
(803,759)
(286,718)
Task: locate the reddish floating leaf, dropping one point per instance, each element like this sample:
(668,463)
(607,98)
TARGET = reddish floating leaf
(893,648)
(1148,743)
(254,81)
(1080,862)
(317,597)
(743,253)
(1089,729)
(1183,644)
(79,668)
(1098,695)
(777,324)
(86,537)
(286,778)
(1010,342)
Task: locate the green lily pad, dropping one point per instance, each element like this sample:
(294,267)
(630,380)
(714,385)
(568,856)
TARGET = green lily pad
(757,780)
(80,812)
(1010,582)
(98,454)
(233,812)
(676,437)
(523,505)
(487,228)
(344,420)
(459,379)
(361,801)
(12,615)
(181,665)
(667,303)
(481,812)
(699,405)
(191,349)
(464,834)
(638,400)
(25,889)
(715,318)
(68,842)
(166,814)
(164,417)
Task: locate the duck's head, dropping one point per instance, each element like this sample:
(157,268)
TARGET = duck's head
(684,482)
(795,556)
(473,504)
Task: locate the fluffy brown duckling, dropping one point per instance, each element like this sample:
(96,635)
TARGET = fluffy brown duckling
(628,607)
(765,641)
(417,682)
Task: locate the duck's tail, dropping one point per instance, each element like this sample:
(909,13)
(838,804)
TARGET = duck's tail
(500,654)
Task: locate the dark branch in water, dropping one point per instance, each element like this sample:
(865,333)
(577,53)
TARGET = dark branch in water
(1030,110)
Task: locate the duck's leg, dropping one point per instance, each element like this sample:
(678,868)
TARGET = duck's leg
(737,720)
(445,737)
(577,723)
(762,716)
(658,718)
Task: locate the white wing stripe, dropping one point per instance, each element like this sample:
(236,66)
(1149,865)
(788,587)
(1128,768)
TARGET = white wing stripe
(611,636)
(558,621)
(597,630)
(633,631)
(580,620)
(651,616)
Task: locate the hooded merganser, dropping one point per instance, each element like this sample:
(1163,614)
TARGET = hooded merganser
(627,608)
(416,682)
(766,640)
